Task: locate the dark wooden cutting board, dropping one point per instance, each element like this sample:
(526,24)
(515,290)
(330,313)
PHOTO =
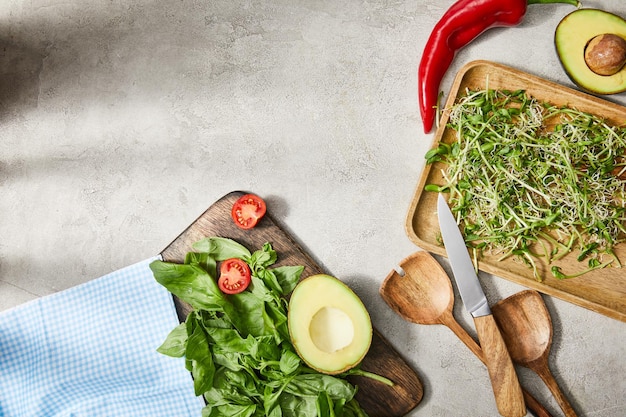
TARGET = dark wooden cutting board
(377,399)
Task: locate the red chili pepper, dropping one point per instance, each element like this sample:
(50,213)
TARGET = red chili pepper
(462,23)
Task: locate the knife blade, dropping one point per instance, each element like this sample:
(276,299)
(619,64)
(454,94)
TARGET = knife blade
(506,387)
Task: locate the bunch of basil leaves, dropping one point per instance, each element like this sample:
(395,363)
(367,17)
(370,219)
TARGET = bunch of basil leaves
(237,347)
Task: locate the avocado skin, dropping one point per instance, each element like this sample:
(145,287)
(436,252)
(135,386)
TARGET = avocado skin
(571,37)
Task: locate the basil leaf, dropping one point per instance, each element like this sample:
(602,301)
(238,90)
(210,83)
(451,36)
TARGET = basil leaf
(289,362)
(220,248)
(190,283)
(214,319)
(278,314)
(260,290)
(201,360)
(263,258)
(270,280)
(297,406)
(275,412)
(228,360)
(234,410)
(250,315)
(242,381)
(270,401)
(288,277)
(268,349)
(204,260)
(230,340)
(241,411)
(309,385)
(175,343)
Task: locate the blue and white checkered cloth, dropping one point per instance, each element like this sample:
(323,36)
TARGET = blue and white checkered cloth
(91,351)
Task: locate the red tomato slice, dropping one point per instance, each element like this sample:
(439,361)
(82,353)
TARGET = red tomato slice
(248,210)
(234,276)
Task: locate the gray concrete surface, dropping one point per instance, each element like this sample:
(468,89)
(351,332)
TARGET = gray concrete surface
(122,121)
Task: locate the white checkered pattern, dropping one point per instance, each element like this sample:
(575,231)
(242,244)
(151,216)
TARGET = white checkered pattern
(91,351)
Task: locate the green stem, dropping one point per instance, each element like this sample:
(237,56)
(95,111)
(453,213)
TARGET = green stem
(572,2)
(371,375)
(556,271)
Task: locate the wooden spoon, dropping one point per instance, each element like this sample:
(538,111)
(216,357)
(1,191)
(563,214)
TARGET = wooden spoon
(422,293)
(526,328)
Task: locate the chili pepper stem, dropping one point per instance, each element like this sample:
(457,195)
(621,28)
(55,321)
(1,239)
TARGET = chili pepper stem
(572,2)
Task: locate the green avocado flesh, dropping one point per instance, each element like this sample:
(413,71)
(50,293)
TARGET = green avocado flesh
(572,36)
(328,324)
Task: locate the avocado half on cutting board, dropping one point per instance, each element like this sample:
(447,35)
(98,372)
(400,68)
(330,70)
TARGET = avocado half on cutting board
(591,45)
(329,326)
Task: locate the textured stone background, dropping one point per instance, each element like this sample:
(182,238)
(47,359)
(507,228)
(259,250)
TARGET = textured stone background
(122,121)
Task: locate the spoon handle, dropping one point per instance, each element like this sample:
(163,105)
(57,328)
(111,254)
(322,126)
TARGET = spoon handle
(544,372)
(531,402)
(459,331)
(506,387)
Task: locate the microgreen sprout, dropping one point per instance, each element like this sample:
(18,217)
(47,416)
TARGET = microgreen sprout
(533,180)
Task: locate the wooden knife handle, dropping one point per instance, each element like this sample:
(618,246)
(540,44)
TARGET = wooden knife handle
(506,387)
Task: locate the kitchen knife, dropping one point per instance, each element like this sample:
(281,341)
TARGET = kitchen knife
(506,387)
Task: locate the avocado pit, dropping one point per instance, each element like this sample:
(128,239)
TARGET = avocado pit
(331,329)
(606,54)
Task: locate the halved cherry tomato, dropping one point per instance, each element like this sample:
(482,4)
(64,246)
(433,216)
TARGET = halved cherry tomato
(234,276)
(248,210)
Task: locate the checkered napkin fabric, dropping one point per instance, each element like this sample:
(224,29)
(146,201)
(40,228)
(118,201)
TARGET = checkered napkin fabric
(91,351)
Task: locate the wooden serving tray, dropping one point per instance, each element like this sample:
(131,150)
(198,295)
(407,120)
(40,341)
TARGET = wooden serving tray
(602,290)
(377,399)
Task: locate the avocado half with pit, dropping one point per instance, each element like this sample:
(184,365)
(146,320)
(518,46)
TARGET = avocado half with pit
(329,326)
(591,45)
